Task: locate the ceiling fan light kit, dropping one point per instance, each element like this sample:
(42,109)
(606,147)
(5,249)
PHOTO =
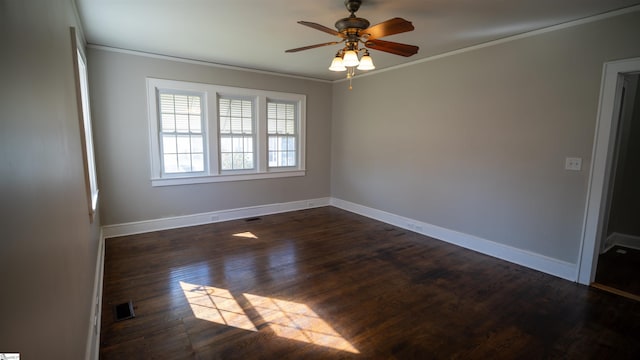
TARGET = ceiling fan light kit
(366,62)
(354,31)
(350,58)
(337,64)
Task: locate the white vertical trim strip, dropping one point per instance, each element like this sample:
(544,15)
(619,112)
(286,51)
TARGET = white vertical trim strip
(262,155)
(92,351)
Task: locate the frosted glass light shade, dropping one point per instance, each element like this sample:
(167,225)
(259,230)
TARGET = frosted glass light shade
(337,64)
(350,58)
(366,63)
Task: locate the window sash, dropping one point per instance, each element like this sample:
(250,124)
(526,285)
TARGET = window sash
(237,136)
(181,138)
(282,133)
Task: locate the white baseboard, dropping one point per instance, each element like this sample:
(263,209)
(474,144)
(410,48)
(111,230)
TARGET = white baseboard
(608,244)
(525,258)
(209,217)
(626,240)
(93,341)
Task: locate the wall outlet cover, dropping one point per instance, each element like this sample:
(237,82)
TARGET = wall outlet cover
(573,163)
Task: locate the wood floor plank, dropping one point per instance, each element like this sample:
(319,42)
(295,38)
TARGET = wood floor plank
(325,283)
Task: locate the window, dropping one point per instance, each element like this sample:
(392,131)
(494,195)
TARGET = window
(236,134)
(281,127)
(207,133)
(84,112)
(181,133)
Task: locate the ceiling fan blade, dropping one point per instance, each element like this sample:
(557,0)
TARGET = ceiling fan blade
(389,27)
(392,47)
(312,46)
(321,28)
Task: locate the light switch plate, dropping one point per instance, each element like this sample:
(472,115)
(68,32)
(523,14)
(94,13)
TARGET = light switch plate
(573,163)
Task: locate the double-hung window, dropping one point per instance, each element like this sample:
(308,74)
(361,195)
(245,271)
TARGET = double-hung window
(237,135)
(282,133)
(207,133)
(181,132)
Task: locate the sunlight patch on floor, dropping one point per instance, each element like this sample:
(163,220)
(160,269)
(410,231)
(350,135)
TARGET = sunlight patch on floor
(216,305)
(246,235)
(286,319)
(298,322)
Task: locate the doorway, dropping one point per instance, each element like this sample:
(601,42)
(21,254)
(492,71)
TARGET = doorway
(602,216)
(619,258)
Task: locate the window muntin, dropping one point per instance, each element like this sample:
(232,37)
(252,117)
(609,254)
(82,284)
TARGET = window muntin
(237,135)
(282,134)
(181,132)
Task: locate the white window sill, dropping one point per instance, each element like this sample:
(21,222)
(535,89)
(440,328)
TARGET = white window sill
(225,177)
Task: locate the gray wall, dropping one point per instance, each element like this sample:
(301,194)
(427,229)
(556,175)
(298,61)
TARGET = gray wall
(118,87)
(48,248)
(476,142)
(625,206)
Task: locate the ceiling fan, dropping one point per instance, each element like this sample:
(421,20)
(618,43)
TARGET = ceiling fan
(354,30)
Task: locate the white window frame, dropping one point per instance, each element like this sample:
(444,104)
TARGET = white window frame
(295,135)
(254,134)
(211,93)
(203,109)
(84,116)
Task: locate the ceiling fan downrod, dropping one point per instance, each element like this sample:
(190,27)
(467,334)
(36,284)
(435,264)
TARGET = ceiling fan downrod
(352,5)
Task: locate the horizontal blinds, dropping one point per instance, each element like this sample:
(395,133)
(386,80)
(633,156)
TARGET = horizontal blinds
(281,132)
(237,138)
(181,133)
(236,116)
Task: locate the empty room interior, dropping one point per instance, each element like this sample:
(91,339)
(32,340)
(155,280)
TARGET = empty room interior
(328,179)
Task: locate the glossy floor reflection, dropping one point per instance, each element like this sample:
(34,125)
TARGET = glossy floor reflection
(328,284)
(216,305)
(246,234)
(286,319)
(298,322)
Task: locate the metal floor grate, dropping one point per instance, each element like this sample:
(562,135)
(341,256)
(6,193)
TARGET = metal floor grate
(124,311)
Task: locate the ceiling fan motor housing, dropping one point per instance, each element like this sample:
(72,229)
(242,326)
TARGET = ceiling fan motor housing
(352,22)
(352,25)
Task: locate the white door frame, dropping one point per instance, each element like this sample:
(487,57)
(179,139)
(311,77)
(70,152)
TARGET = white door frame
(603,148)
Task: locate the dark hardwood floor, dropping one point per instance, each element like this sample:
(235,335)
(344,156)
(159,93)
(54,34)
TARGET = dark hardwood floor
(619,268)
(325,283)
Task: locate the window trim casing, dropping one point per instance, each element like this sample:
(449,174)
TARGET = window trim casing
(85,124)
(211,128)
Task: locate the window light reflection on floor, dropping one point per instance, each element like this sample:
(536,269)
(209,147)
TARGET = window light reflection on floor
(298,322)
(286,319)
(216,305)
(246,234)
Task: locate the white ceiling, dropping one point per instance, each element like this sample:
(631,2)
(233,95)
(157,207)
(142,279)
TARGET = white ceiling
(255,34)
